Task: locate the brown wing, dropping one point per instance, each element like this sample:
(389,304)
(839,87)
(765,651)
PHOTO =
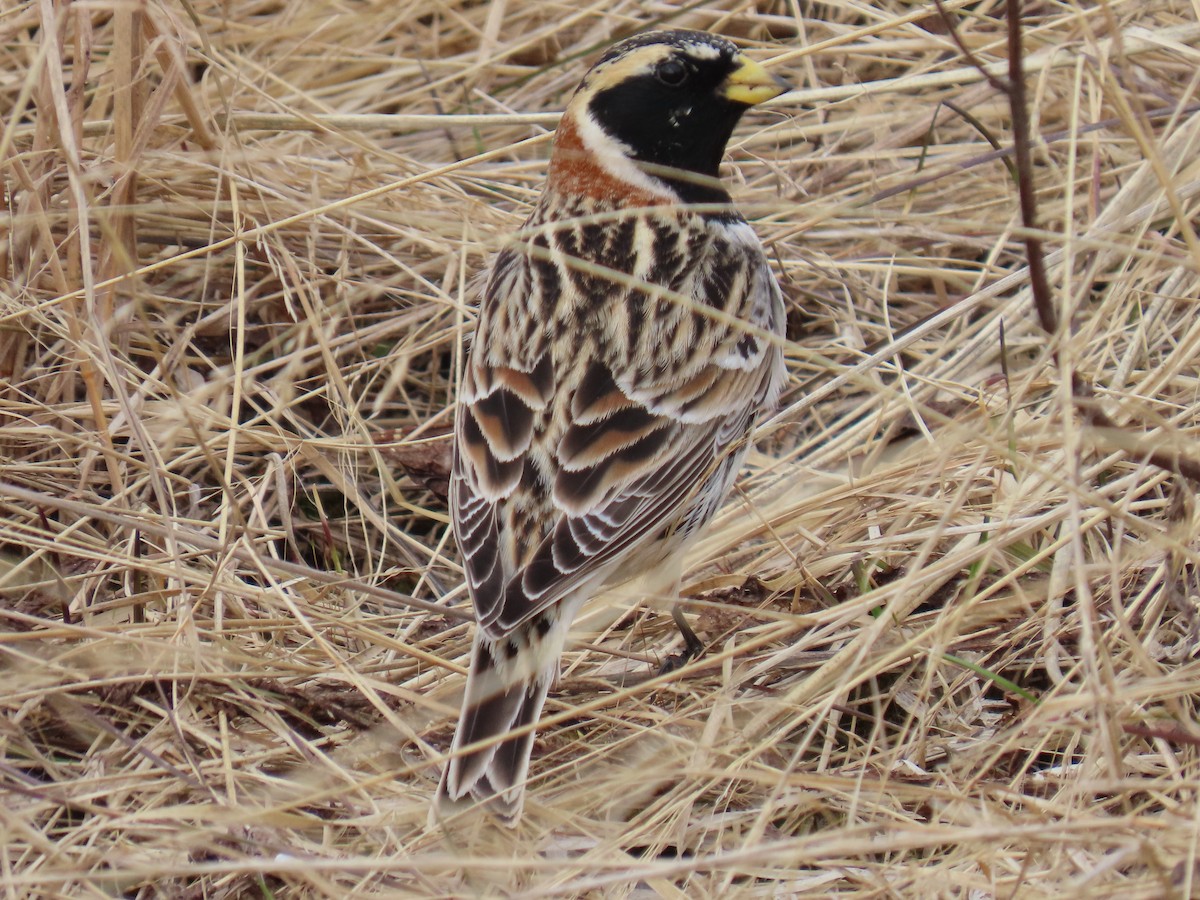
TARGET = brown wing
(560,476)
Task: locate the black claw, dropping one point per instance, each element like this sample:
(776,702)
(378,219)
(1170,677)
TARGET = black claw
(677,661)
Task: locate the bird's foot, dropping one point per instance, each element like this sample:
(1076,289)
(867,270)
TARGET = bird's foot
(693,647)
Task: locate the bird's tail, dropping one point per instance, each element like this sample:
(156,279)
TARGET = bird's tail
(506,687)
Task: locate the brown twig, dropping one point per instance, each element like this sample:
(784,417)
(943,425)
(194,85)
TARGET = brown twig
(1039,284)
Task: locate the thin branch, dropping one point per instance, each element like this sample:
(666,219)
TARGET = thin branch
(1039,284)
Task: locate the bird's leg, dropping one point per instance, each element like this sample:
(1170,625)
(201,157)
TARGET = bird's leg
(692,645)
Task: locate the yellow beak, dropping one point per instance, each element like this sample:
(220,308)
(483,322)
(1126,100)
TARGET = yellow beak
(751,84)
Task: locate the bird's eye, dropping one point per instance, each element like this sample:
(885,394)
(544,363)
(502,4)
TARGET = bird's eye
(671,72)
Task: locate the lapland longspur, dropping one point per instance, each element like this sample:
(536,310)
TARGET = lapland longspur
(627,343)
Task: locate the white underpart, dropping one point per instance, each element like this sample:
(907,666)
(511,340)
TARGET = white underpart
(615,157)
(737,233)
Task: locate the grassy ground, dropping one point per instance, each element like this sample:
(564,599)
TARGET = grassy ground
(951,620)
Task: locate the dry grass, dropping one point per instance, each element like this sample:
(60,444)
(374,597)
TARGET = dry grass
(950,626)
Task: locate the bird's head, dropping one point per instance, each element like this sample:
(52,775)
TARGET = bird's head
(657,111)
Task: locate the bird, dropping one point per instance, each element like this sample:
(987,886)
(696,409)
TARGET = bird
(628,340)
